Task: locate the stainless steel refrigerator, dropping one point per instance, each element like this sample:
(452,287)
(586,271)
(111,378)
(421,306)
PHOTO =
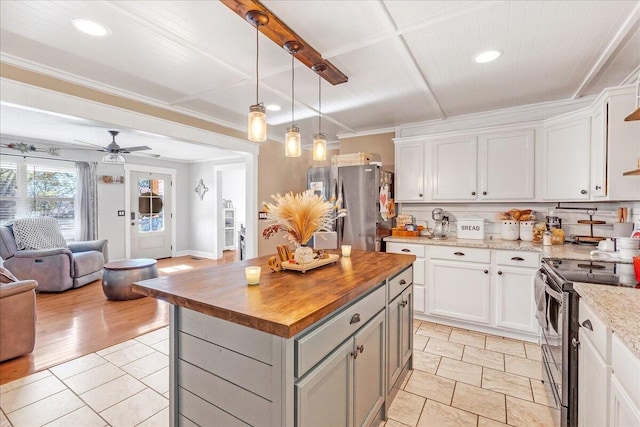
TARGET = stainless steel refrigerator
(362,189)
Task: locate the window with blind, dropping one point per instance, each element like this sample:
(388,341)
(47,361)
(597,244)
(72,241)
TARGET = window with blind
(30,188)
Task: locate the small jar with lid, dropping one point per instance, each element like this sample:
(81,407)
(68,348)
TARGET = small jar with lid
(546,238)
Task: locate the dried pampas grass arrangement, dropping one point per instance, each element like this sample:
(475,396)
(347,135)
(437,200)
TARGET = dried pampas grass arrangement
(300,215)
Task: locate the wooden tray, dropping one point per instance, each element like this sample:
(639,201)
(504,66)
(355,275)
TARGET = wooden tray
(288,265)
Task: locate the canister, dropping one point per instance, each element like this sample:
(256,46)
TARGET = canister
(510,230)
(526,230)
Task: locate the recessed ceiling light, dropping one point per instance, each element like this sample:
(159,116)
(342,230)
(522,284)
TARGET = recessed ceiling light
(273,107)
(90,27)
(487,56)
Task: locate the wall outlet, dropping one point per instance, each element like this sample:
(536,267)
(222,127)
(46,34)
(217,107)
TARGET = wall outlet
(120,213)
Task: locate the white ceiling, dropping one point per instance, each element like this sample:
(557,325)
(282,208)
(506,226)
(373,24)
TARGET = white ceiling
(407,61)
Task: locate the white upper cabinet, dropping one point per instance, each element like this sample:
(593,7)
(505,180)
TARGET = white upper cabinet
(506,162)
(410,172)
(599,151)
(455,168)
(615,147)
(566,157)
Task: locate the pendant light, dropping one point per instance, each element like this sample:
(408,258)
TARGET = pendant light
(319,139)
(257,120)
(292,147)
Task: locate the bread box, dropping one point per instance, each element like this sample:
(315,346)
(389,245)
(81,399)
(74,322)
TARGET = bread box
(470,228)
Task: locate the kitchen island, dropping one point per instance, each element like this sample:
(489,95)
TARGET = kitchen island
(327,347)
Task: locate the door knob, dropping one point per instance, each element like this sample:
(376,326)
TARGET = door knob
(499,273)
(583,191)
(484,193)
(598,187)
(473,193)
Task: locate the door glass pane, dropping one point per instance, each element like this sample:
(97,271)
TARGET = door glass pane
(150,205)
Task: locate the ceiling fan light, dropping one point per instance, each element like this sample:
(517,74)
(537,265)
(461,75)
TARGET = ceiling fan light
(257,123)
(113,159)
(319,147)
(292,146)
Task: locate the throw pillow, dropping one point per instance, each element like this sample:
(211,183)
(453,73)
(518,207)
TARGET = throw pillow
(6,276)
(37,233)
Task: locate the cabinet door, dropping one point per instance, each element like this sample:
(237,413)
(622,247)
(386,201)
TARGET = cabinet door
(394,337)
(593,389)
(455,169)
(368,372)
(515,301)
(599,151)
(566,160)
(325,395)
(410,172)
(506,163)
(459,290)
(419,273)
(622,411)
(406,322)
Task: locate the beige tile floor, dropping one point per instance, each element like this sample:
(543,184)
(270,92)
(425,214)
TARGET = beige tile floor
(465,378)
(460,378)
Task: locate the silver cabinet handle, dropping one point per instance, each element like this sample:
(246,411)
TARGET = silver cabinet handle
(598,187)
(406,250)
(583,191)
(517,258)
(402,282)
(575,342)
(484,193)
(355,319)
(403,303)
(587,324)
(458,253)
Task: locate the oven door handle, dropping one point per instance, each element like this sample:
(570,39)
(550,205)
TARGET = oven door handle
(553,293)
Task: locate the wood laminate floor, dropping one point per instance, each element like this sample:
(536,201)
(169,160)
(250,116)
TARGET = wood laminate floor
(82,321)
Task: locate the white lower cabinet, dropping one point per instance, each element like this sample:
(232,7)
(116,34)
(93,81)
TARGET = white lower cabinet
(459,283)
(348,387)
(419,269)
(624,410)
(593,385)
(514,299)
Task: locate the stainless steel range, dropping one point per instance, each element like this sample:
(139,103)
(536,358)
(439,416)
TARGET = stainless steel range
(557,313)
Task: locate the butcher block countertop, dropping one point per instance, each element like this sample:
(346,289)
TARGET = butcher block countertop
(285,302)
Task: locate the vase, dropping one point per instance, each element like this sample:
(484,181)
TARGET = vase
(303,255)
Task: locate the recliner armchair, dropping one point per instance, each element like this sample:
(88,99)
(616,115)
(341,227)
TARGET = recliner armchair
(17,318)
(58,269)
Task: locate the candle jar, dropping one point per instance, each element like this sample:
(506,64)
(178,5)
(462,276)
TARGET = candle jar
(346,250)
(253,275)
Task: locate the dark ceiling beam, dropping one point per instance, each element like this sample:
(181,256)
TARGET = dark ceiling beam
(280,34)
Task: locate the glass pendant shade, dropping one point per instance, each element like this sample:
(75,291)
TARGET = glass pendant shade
(319,147)
(257,123)
(292,146)
(113,159)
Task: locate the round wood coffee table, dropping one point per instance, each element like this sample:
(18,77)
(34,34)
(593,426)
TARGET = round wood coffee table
(118,276)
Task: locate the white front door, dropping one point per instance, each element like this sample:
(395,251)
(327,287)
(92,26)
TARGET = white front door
(150,216)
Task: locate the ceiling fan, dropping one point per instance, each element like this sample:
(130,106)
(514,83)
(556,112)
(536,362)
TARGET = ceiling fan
(114,151)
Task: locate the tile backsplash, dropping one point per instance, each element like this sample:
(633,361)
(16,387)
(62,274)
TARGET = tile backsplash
(604,211)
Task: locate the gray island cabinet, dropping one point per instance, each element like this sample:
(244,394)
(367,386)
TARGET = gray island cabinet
(329,347)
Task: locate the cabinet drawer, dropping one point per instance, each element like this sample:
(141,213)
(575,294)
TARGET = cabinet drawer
(399,283)
(315,345)
(461,254)
(406,248)
(626,369)
(518,258)
(599,335)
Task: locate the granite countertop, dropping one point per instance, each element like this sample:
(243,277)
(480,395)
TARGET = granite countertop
(566,251)
(618,307)
(285,302)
